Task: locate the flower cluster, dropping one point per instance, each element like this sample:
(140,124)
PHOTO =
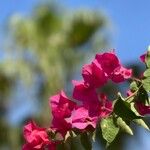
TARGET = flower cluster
(37,138)
(88,105)
(67,115)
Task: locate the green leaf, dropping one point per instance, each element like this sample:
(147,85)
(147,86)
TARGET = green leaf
(94,136)
(142,96)
(72,143)
(141,123)
(147,73)
(148,59)
(70,134)
(146,84)
(67,135)
(133,86)
(86,141)
(123,110)
(60,146)
(122,124)
(109,129)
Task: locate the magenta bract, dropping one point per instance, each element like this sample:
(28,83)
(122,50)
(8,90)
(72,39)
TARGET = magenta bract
(93,106)
(35,136)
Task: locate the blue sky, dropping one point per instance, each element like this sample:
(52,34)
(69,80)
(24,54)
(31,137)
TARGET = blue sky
(131,24)
(130,21)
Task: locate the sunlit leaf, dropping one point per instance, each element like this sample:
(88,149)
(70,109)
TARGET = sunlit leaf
(133,86)
(109,129)
(142,123)
(123,125)
(86,141)
(123,110)
(146,84)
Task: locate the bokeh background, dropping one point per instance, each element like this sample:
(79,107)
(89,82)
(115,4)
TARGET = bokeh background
(43,45)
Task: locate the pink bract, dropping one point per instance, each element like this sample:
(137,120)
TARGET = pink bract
(129,93)
(112,66)
(80,119)
(120,74)
(142,109)
(35,136)
(108,61)
(60,125)
(94,75)
(143,57)
(69,115)
(83,92)
(106,106)
(62,107)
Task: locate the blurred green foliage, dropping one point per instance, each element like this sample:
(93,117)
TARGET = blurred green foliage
(49,45)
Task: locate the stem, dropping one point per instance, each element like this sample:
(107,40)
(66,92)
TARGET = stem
(133,94)
(136,79)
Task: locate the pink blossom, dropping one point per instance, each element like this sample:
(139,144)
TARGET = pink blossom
(97,107)
(129,93)
(51,146)
(120,74)
(83,92)
(94,75)
(87,116)
(61,109)
(112,66)
(106,106)
(61,105)
(143,57)
(60,125)
(108,61)
(35,136)
(80,119)
(142,109)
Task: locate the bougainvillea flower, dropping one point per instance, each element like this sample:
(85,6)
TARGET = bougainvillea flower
(94,75)
(80,119)
(83,92)
(143,57)
(35,137)
(51,146)
(129,93)
(106,106)
(62,107)
(108,61)
(142,109)
(60,125)
(112,66)
(120,74)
